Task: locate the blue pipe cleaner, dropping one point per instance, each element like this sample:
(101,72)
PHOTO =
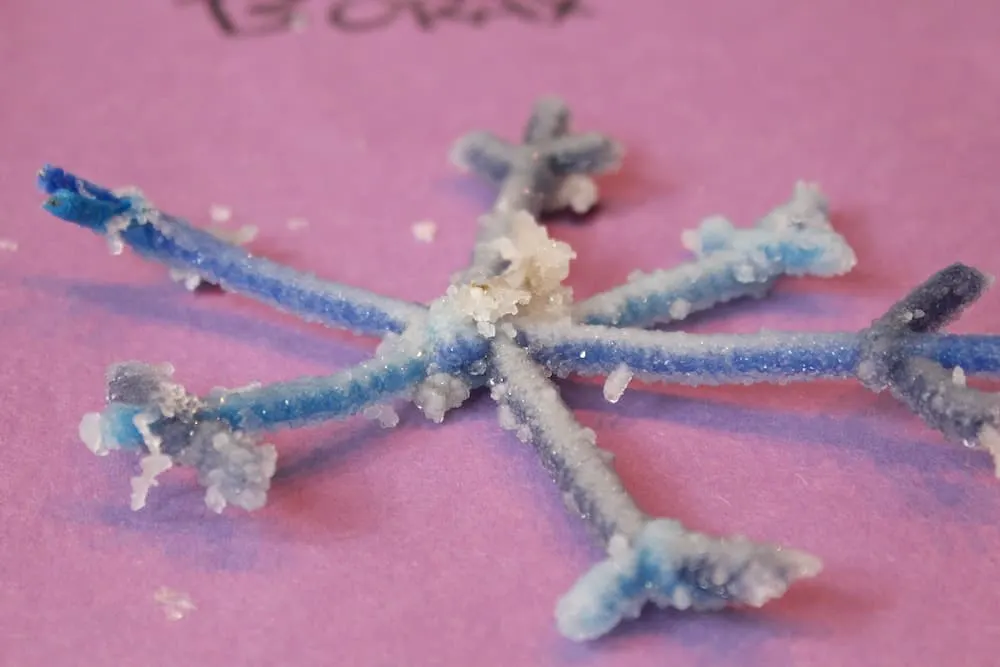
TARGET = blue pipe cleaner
(710,359)
(129,219)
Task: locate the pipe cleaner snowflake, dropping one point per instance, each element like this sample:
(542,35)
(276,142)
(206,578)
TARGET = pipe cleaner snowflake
(508,323)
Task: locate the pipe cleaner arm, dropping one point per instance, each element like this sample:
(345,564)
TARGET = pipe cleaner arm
(530,406)
(794,239)
(150,414)
(937,395)
(649,560)
(128,219)
(709,359)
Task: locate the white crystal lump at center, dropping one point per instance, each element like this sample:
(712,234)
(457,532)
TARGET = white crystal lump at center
(531,284)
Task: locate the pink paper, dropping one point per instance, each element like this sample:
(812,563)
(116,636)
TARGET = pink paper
(447,545)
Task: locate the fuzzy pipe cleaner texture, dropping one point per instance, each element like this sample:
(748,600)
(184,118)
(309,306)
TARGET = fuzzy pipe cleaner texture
(938,395)
(508,323)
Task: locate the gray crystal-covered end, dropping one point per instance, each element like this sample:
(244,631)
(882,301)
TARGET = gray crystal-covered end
(927,308)
(484,154)
(550,118)
(671,567)
(149,413)
(232,467)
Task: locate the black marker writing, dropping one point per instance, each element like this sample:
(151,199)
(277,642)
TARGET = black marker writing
(365,15)
(263,17)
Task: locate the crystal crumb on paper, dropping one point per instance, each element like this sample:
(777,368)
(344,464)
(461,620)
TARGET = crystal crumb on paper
(176,605)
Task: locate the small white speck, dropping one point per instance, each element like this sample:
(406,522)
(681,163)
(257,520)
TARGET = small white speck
(691,240)
(424,230)
(8,245)
(616,383)
(241,236)
(175,604)
(220,213)
(296,224)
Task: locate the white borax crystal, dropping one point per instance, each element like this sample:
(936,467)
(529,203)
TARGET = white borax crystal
(113,233)
(142,422)
(507,418)
(536,261)
(958,376)
(680,309)
(150,466)
(424,231)
(486,303)
(577,192)
(616,383)
(235,470)
(531,283)
(220,213)
(385,415)
(92,434)
(989,438)
(438,394)
(190,281)
(175,604)
(691,240)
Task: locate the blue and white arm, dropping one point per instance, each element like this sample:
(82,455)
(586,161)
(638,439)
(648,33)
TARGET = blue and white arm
(795,239)
(712,359)
(150,414)
(128,219)
(650,560)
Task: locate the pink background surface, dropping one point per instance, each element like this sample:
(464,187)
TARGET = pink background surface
(447,545)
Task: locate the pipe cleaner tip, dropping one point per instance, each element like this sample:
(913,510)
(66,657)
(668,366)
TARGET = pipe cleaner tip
(957,276)
(52,179)
(73,199)
(938,299)
(966,280)
(149,413)
(671,567)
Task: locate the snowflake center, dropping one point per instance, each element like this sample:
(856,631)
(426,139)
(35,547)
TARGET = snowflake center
(530,284)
